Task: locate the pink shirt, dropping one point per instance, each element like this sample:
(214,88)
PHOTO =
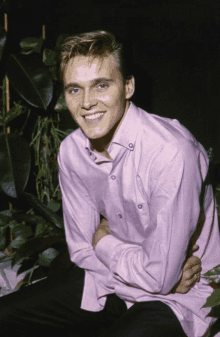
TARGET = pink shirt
(150,194)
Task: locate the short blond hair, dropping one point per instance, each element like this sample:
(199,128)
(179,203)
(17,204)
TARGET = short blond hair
(97,44)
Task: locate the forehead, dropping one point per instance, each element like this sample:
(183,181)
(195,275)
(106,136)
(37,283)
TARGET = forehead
(87,68)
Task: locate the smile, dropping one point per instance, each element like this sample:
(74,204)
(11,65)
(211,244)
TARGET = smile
(95,116)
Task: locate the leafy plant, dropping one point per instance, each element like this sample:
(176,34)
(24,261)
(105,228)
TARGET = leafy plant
(33,237)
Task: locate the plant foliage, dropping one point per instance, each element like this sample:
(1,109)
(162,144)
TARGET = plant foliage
(15,164)
(37,84)
(31,237)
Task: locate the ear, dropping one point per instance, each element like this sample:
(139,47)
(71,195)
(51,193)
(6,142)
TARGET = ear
(129,87)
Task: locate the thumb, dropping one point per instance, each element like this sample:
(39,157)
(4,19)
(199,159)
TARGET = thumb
(195,248)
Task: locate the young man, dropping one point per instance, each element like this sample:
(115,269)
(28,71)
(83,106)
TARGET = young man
(143,174)
(146,176)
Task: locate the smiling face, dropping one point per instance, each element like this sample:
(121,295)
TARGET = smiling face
(96,95)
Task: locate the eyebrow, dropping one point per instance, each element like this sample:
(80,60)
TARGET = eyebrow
(93,83)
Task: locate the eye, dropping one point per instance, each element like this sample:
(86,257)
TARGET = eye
(73,91)
(103,86)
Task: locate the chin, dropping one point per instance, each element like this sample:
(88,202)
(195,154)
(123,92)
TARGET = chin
(95,135)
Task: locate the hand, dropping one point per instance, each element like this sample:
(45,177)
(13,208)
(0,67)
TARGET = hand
(101,231)
(190,275)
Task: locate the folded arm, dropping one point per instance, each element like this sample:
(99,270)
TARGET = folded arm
(174,212)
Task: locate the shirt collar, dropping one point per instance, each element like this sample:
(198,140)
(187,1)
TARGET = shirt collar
(126,134)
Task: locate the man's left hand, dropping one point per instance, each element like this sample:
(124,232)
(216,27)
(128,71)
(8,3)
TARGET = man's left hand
(190,274)
(101,231)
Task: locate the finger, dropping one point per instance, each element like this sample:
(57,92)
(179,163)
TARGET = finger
(191,262)
(195,248)
(189,273)
(195,274)
(197,269)
(191,284)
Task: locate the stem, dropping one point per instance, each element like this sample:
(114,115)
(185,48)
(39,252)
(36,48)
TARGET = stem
(6,77)
(31,273)
(22,129)
(7,93)
(44,37)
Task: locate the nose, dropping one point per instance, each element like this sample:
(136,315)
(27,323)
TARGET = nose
(88,101)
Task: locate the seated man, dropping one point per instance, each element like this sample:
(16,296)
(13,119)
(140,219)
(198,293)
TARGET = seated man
(145,175)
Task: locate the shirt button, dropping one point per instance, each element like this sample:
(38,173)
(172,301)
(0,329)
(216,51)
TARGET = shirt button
(131,146)
(139,206)
(113,177)
(120,216)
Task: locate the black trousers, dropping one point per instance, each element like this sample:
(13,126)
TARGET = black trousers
(52,308)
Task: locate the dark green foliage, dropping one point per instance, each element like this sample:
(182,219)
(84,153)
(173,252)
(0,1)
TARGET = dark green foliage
(33,238)
(45,211)
(36,245)
(37,84)
(15,163)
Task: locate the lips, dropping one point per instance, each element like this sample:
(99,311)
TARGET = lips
(90,119)
(93,114)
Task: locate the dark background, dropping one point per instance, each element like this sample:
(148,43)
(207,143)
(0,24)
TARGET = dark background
(175,47)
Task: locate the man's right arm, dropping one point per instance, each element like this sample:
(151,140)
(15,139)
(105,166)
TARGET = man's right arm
(80,222)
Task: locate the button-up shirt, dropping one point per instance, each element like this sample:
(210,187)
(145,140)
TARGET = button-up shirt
(153,193)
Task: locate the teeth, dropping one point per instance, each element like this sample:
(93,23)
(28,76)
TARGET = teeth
(95,116)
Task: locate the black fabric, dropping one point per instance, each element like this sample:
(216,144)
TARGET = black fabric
(52,308)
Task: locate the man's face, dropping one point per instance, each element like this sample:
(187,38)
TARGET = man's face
(96,95)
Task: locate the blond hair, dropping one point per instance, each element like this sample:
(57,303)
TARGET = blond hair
(97,44)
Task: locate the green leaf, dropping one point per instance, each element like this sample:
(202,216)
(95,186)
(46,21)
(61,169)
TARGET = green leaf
(17,242)
(15,164)
(27,264)
(213,300)
(5,217)
(2,241)
(214,312)
(21,230)
(59,195)
(13,113)
(7,212)
(31,44)
(40,228)
(2,41)
(35,245)
(61,103)
(47,256)
(50,57)
(54,205)
(213,274)
(29,219)
(44,210)
(6,257)
(61,263)
(31,79)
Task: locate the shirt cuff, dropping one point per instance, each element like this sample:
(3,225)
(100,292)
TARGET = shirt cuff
(106,248)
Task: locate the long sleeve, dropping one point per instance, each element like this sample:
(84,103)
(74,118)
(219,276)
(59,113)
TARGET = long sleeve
(80,221)
(175,188)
